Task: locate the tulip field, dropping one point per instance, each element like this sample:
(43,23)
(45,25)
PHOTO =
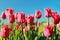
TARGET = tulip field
(22,27)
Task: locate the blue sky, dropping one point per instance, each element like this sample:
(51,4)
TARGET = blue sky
(29,6)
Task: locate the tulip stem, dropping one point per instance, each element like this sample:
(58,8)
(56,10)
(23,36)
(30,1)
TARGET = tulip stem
(48,21)
(55,31)
(22,31)
(46,38)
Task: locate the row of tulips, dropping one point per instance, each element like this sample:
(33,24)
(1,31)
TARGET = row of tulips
(22,27)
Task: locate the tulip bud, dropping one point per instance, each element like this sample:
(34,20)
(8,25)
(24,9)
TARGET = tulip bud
(47,12)
(21,17)
(25,29)
(38,24)
(33,27)
(16,15)
(55,18)
(5,31)
(3,16)
(9,11)
(48,31)
(30,19)
(17,26)
(38,14)
(11,18)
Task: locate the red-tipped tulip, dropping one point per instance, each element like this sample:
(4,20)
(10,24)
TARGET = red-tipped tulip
(17,26)
(9,11)
(11,18)
(30,19)
(55,18)
(21,17)
(38,14)
(5,31)
(47,12)
(3,16)
(48,31)
(16,15)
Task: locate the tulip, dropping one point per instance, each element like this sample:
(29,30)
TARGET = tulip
(55,18)
(3,16)
(38,24)
(17,26)
(33,26)
(9,11)
(21,17)
(25,29)
(16,15)
(47,12)
(58,24)
(30,19)
(48,31)
(38,14)
(11,18)
(5,31)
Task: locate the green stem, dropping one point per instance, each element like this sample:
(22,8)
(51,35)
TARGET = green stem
(55,31)
(48,21)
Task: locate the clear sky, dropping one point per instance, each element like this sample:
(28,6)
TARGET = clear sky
(29,6)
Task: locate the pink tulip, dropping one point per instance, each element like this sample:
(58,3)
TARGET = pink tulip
(3,16)
(25,29)
(38,24)
(58,24)
(55,18)
(16,15)
(5,31)
(9,11)
(30,19)
(17,26)
(21,17)
(11,18)
(48,31)
(38,14)
(33,27)
(47,12)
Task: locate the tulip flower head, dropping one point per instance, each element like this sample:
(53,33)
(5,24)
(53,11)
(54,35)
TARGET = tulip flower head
(55,18)
(21,17)
(38,24)
(5,31)
(25,29)
(38,14)
(17,26)
(3,16)
(16,15)
(30,19)
(9,11)
(47,12)
(48,31)
(33,27)
(11,18)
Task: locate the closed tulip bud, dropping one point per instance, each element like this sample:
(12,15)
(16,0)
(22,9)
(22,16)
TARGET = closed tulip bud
(9,11)
(3,16)
(38,14)
(17,26)
(21,17)
(33,27)
(5,31)
(48,31)
(16,15)
(58,24)
(47,12)
(55,18)
(25,29)
(38,24)
(30,19)
(11,18)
